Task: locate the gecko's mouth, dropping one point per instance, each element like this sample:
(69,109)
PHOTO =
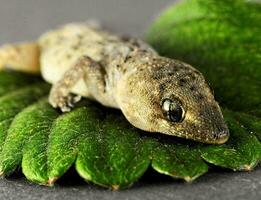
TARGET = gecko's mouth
(216,138)
(208,137)
(219,137)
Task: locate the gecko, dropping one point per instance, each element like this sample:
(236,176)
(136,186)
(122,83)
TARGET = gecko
(155,93)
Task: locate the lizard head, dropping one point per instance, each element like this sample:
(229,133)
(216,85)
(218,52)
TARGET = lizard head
(171,97)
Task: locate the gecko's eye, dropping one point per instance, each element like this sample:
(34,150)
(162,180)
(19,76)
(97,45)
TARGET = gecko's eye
(173,110)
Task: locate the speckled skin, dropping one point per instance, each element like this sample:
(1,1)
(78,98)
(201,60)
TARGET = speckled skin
(128,74)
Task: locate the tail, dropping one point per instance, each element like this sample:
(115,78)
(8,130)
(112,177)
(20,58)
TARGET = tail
(21,57)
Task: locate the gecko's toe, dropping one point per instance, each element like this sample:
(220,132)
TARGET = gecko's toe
(76,98)
(72,99)
(67,103)
(66,109)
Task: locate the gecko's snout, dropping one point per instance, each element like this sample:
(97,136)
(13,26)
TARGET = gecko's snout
(221,137)
(202,122)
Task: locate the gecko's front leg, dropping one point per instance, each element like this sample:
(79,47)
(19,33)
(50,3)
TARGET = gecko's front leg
(60,96)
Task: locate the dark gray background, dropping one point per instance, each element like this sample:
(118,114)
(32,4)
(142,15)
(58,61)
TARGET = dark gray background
(25,20)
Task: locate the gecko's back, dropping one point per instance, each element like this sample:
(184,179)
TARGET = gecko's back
(61,48)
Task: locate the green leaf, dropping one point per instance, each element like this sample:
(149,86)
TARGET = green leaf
(66,134)
(241,152)
(11,80)
(115,156)
(13,102)
(251,123)
(36,121)
(178,159)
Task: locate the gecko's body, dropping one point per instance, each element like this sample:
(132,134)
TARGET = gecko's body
(63,47)
(155,93)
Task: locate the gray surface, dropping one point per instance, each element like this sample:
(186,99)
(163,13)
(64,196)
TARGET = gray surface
(25,20)
(213,186)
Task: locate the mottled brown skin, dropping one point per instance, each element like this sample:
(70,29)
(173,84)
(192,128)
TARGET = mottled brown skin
(155,93)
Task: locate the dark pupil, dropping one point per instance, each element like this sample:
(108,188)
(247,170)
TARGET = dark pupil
(173,110)
(174,113)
